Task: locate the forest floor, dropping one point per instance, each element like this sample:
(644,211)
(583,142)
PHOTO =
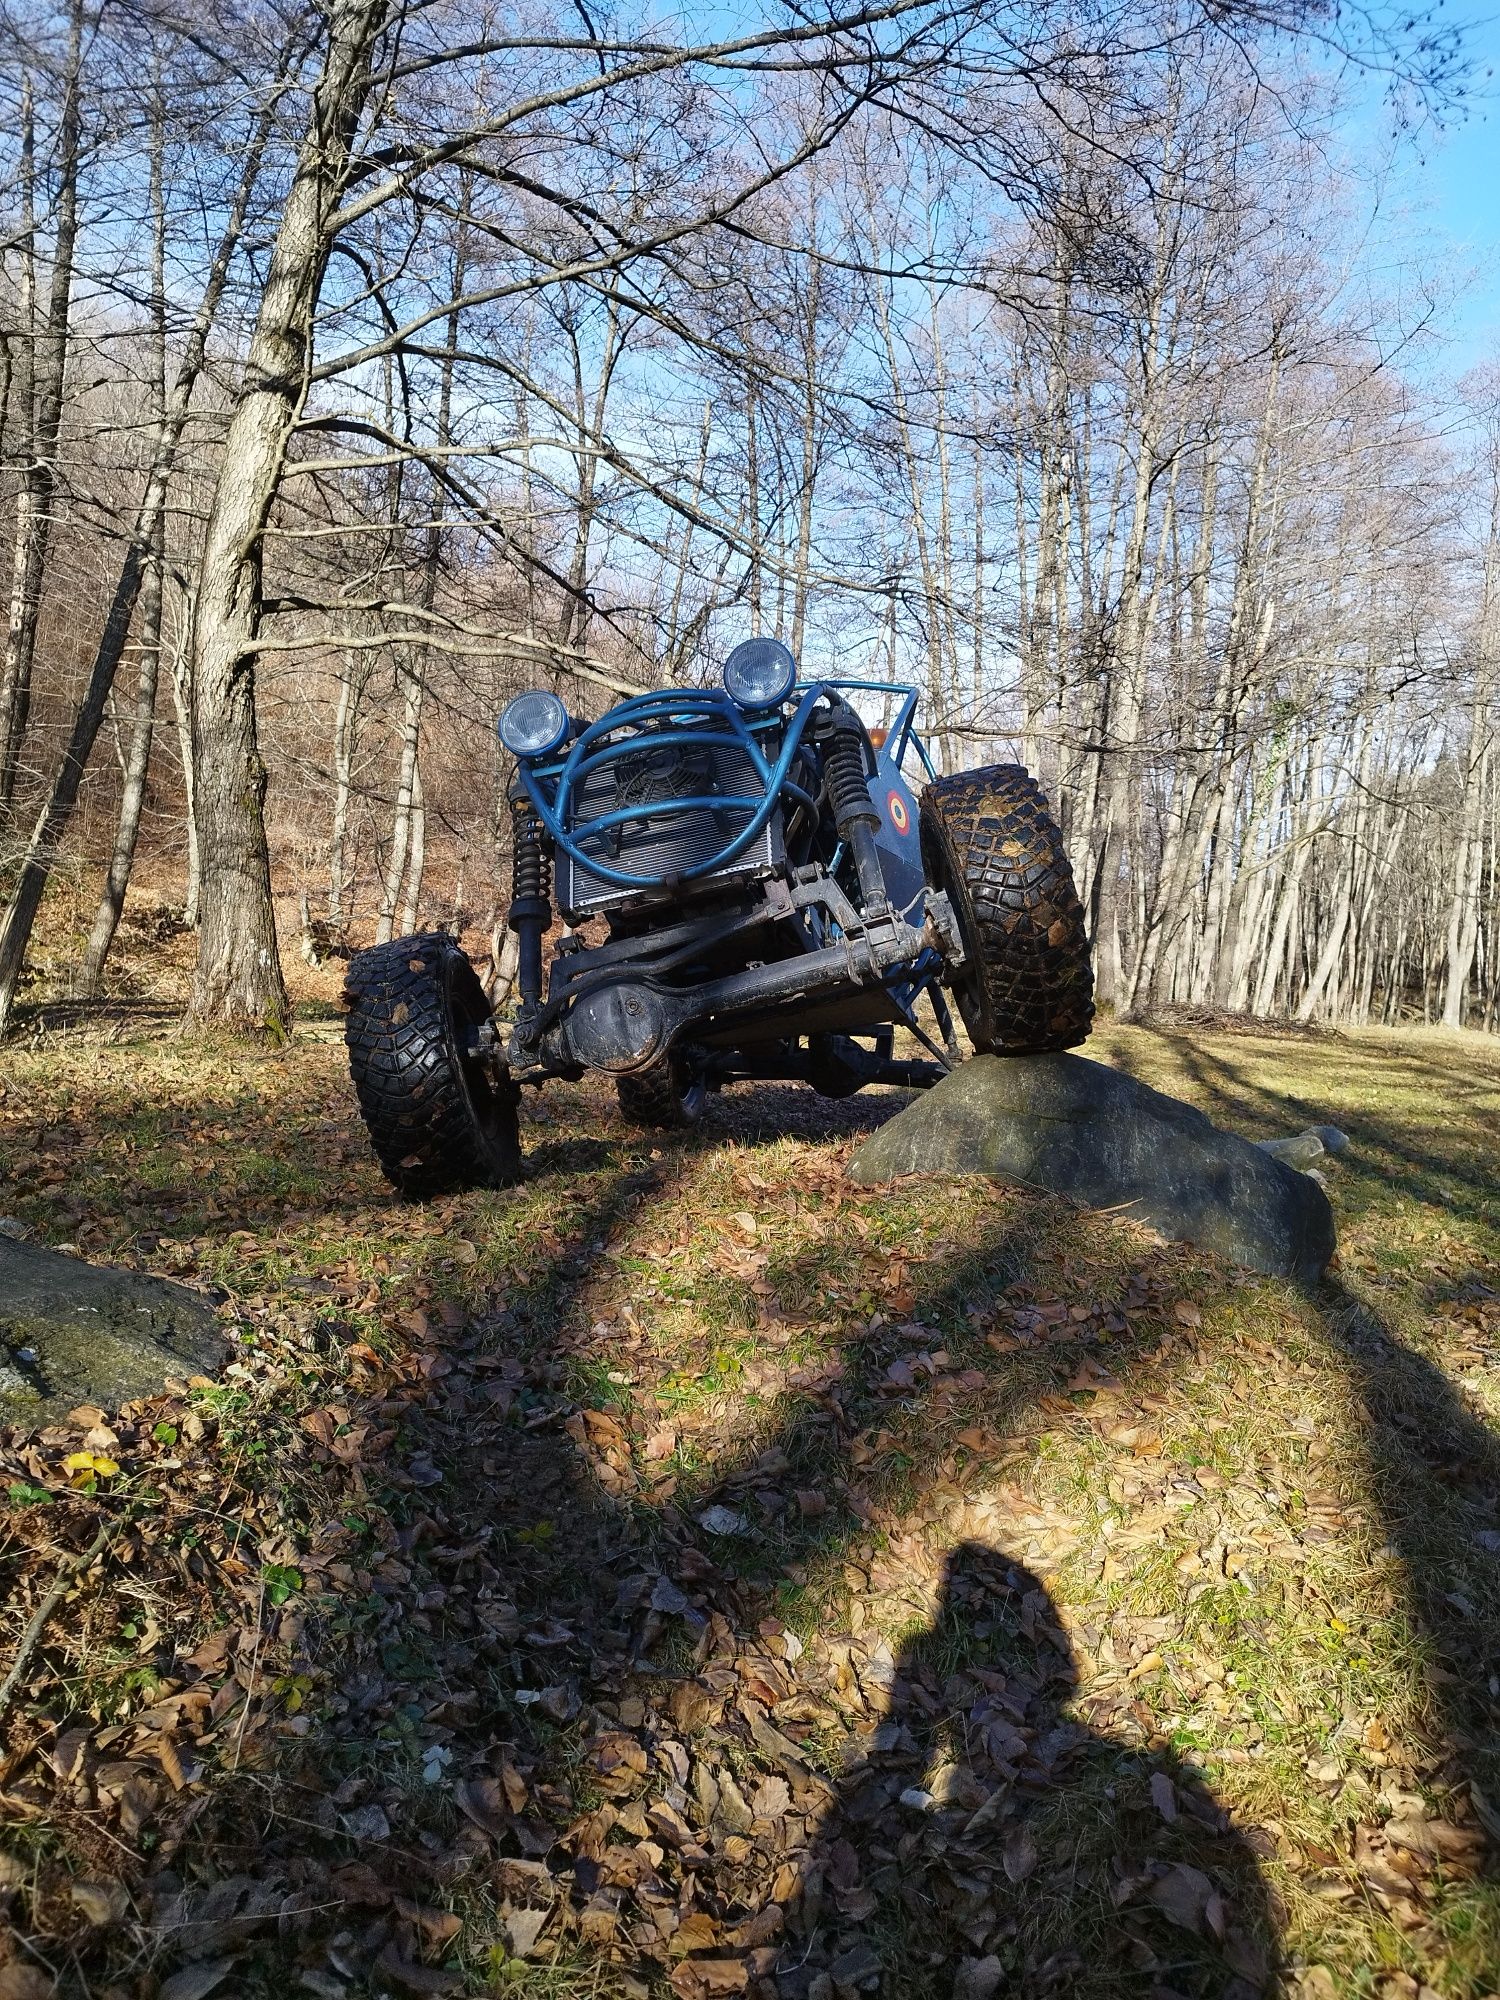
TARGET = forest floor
(688,1573)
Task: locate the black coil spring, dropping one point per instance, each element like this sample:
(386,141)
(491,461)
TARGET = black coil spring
(531,858)
(848,793)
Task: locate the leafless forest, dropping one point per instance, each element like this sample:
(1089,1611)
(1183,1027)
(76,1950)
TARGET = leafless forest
(359,366)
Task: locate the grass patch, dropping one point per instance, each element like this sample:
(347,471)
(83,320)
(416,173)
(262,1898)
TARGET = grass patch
(1174,1593)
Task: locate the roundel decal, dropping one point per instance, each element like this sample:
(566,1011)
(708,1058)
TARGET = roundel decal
(895,805)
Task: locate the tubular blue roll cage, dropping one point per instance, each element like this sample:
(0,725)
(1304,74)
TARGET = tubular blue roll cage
(703,717)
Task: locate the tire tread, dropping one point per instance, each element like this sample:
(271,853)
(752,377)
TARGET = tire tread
(1033,987)
(405,1066)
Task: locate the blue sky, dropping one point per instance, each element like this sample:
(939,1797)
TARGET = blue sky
(1443,196)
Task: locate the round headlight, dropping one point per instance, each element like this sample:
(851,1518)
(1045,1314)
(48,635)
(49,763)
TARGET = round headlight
(533,724)
(760,672)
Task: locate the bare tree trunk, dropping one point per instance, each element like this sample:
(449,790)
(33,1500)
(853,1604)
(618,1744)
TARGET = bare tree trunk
(411,679)
(809,471)
(976,614)
(132,790)
(752,477)
(1120,787)
(417,856)
(573,622)
(679,639)
(182,706)
(345,741)
(52,821)
(138,759)
(932,590)
(1463,910)
(47,370)
(238,981)
(1323,977)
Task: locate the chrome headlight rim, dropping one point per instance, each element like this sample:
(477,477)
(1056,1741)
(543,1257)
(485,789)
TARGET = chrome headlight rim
(760,673)
(533,723)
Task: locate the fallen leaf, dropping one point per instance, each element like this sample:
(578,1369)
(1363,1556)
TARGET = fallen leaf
(194,1981)
(100,1902)
(483,1801)
(978,1978)
(708,1978)
(415,1978)
(771,1800)
(1018,1857)
(1437,1838)
(1164,1796)
(697,1932)
(523,1928)
(618,1761)
(25,1982)
(1183,1895)
(436,1926)
(856,1967)
(366,1823)
(723,1521)
(1317,1983)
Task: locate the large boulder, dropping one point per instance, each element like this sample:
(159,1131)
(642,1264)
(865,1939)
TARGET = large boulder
(75,1333)
(1098,1136)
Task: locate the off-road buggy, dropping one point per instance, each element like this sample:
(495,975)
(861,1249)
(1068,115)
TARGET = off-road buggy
(764,896)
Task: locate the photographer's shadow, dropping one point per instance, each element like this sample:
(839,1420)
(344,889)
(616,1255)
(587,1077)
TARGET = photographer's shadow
(988,1843)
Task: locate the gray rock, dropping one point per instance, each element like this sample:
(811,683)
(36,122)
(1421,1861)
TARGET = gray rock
(1334,1141)
(1302,1151)
(72,1332)
(1106,1141)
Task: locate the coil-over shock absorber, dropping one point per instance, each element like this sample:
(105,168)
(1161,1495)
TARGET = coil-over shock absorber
(530,915)
(854,812)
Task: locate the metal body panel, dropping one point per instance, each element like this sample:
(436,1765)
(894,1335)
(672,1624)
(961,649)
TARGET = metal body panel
(897,842)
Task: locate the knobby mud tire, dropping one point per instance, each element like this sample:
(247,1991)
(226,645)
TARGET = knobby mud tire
(990,842)
(661,1098)
(437,1116)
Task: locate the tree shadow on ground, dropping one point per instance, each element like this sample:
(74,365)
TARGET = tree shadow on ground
(522,1596)
(1434,1467)
(552,1625)
(1432,1457)
(1228,1092)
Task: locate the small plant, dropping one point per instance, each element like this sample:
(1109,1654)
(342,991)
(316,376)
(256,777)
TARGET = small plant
(281,1581)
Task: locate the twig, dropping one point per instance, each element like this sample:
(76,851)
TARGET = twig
(45,1610)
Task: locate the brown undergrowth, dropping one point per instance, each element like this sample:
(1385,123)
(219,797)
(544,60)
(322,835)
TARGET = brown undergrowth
(688,1573)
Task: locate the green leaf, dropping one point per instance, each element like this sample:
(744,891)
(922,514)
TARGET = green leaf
(165,1433)
(280,1580)
(23,1494)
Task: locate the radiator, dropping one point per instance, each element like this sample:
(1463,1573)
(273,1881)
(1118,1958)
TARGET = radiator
(665,844)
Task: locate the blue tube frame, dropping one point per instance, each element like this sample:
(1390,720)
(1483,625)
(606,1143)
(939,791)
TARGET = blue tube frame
(711,717)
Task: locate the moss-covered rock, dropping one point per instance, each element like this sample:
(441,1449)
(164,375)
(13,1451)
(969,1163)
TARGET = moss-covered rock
(1100,1137)
(72,1333)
